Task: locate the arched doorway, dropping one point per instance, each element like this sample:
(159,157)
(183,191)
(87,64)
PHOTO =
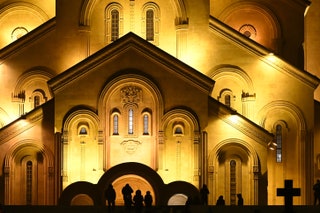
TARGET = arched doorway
(136,182)
(138,176)
(235,168)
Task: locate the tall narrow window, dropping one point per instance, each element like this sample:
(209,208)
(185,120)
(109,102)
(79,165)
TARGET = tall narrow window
(233,182)
(36,101)
(279,143)
(130,121)
(227,100)
(116,125)
(114,25)
(150,25)
(29,183)
(145,124)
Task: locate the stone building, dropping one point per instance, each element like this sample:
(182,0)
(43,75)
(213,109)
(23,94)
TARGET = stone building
(163,95)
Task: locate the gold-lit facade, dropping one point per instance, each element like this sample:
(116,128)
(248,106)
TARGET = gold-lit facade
(164,95)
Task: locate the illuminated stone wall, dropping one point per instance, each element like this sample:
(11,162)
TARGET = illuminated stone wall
(209,119)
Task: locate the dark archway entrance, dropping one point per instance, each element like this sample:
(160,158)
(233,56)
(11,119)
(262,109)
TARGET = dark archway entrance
(139,176)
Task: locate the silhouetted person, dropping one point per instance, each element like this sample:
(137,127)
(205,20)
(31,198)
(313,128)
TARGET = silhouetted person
(220,201)
(148,199)
(127,197)
(138,201)
(110,194)
(189,202)
(204,191)
(316,189)
(240,199)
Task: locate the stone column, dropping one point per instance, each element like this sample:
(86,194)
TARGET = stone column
(256,184)
(248,101)
(181,39)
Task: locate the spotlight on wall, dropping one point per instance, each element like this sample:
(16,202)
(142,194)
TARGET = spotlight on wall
(272,145)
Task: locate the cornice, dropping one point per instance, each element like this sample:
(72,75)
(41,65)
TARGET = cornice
(20,125)
(242,124)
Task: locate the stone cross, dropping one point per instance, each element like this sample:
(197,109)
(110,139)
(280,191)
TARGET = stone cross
(288,192)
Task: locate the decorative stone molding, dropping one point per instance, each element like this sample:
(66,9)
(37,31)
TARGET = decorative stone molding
(131,94)
(130,146)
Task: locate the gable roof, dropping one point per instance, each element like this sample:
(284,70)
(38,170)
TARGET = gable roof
(260,51)
(133,42)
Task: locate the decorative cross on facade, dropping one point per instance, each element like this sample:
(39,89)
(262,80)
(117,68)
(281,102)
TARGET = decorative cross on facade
(288,192)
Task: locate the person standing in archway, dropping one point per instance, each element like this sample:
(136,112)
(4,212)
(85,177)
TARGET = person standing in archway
(204,191)
(138,201)
(127,197)
(110,194)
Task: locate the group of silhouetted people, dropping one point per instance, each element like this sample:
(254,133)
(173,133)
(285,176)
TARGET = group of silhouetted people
(220,202)
(138,200)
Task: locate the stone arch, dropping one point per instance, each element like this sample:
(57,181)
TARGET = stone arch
(83,188)
(30,82)
(179,150)
(294,149)
(235,79)
(135,78)
(234,72)
(88,7)
(134,169)
(15,155)
(82,114)
(163,192)
(232,147)
(264,21)
(23,6)
(84,147)
(283,105)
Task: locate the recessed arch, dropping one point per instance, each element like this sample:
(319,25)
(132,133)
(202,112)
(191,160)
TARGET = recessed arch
(235,72)
(23,6)
(285,106)
(88,7)
(119,81)
(237,149)
(257,15)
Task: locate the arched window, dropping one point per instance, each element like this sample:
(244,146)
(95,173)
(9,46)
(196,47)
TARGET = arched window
(226,97)
(150,25)
(227,100)
(151,22)
(146,124)
(29,183)
(130,121)
(36,101)
(279,143)
(116,125)
(113,22)
(233,182)
(83,131)
(37,98)
(114,25)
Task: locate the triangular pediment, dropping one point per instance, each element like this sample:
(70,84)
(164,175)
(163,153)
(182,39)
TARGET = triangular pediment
(128,48)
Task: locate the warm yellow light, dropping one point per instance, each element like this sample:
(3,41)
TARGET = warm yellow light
(271,57)
(234,118)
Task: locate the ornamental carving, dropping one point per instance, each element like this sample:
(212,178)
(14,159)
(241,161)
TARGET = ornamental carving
(131,94)
(130,146)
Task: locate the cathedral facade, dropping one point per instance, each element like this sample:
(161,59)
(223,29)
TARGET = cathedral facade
(164,95)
